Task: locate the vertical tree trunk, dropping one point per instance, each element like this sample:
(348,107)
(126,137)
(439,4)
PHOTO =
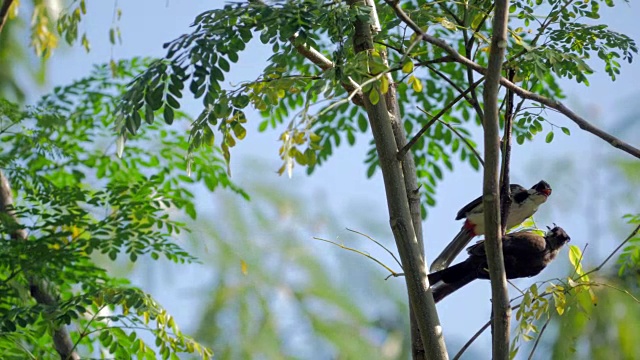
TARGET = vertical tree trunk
(493,232)
(411,254)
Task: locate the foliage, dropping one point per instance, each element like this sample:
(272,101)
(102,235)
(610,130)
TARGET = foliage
(291,91)
(77,201)
(605,331)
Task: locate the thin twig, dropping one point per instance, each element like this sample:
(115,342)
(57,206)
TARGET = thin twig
(515,287)
(473,338)
(505,191)
(547,21)
(631,236)
(393,273)
(624,291)
(557,105)
(471,100)
(451,13)
(468,47)
(417,136)
(379,244)
(535,345)
(469,145)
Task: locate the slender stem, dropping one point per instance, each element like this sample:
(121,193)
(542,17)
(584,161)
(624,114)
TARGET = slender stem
(409,175)
(467,48)
(473,338)
(535,345)
(378,243)
(393,273)
(622,244)
(471,147)
(473,101)
(506,158)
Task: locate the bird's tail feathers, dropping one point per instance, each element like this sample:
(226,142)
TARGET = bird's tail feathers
(447,281)
(452,250)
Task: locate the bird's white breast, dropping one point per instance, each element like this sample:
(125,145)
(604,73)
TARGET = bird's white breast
(517,213)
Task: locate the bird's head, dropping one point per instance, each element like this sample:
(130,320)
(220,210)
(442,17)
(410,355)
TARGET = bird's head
(542,187)
(557,237)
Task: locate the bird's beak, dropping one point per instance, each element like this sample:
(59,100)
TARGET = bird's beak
(546,192)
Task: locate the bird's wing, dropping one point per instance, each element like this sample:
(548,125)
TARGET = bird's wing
(519,194)
(477,249)
(523,243)
(514,243)
(476,204)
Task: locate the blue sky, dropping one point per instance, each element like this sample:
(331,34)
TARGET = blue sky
(571,164)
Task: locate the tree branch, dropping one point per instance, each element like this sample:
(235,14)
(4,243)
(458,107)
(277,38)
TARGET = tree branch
(420,296)
(557,105)
(465,140)
(324,63)
(471,100)
(39,289)
(535,345)
(467,48)
(410,182)
(501,310)
(471,340)
(622,244)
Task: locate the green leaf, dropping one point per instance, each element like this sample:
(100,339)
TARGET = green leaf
(477,20)
(168,115)
(575,257)
(447,24)
(407,67)
(239,131)
(363,123)
(549,137)
(374,96)
(417,85)
(224,65)
(148,114)
(173,102)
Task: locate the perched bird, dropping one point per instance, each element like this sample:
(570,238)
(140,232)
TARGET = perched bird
(524,203)
(525,253)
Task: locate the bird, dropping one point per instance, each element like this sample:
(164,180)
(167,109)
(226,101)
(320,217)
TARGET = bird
(526,253)
(524,203)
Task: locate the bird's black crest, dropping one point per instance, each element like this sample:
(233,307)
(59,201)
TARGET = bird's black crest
(559,233)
